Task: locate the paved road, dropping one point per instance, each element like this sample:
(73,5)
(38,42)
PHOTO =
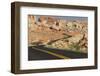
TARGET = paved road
(43,53)
(35,54)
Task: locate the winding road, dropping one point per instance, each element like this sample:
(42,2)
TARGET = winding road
(44,53)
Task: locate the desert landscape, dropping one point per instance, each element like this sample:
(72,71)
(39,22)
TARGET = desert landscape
(58,33)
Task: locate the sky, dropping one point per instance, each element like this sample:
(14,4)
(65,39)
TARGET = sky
(69,18)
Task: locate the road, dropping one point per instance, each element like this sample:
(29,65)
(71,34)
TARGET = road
(43,53)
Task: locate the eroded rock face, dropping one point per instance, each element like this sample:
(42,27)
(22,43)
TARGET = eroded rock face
(51,20)
(60,44)
(76,38)
(42,20)
(31,20)
(50,29)
(62,24)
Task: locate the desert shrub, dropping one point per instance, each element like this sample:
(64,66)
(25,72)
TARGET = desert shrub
(74,47)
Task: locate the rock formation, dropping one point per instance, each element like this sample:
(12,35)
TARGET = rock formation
(57,33)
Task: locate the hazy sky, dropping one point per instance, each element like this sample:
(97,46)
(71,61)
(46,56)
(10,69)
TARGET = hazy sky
(69,18)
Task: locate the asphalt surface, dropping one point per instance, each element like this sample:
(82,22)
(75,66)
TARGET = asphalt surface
(44,53)
(34,54)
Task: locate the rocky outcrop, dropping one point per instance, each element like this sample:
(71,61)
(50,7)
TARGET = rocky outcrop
(75,38)
(60,33)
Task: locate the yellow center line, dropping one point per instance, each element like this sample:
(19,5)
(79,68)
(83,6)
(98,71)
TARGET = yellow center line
(54,54)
